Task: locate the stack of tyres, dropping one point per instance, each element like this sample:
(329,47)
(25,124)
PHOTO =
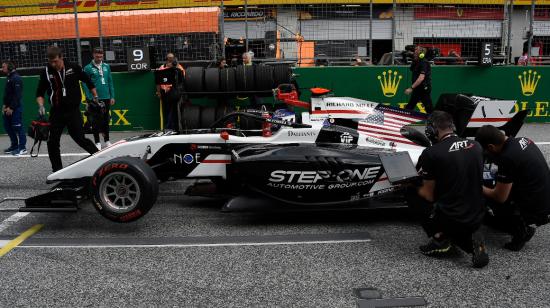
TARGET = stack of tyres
(264,78)
(212,79)
(228,81)
(194,77)
(245,78)
(238,79)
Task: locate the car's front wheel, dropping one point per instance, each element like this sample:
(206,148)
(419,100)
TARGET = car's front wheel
(124,189)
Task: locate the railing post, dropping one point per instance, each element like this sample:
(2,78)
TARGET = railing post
(78,47)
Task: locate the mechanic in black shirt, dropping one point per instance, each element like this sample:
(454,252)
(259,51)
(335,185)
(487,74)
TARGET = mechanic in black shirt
(422,81)
(61,82)
(452,171)
(522,188)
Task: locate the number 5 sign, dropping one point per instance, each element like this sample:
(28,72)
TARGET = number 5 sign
(486,54)
(138,59)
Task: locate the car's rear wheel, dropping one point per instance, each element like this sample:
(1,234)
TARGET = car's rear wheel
(124,189)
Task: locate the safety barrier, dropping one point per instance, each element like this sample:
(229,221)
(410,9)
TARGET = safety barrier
(137,107)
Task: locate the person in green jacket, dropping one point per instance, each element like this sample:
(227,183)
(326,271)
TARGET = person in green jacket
(100,74)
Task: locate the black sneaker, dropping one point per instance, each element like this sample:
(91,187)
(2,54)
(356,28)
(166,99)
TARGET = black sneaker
(517,243)
(480,257)
(435,247)
(9,150)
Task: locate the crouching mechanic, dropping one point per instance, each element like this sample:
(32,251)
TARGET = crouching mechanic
(451,202)
(522,191)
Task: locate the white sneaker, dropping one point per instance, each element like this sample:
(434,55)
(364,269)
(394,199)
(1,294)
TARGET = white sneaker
(19,152)
(98,146)
(107,144)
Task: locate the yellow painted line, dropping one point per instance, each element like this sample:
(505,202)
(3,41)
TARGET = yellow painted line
(20,239)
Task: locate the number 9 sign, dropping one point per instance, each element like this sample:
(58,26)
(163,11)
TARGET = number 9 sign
(138,59)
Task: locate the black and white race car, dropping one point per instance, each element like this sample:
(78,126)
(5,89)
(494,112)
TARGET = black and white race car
(342,152)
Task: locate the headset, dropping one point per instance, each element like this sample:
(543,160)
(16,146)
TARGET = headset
(431,130)
(422,54)
(11,65)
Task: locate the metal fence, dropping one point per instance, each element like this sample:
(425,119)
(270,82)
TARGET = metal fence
(307,33)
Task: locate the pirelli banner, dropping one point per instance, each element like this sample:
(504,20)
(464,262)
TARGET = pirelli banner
(138,108)
(39,7)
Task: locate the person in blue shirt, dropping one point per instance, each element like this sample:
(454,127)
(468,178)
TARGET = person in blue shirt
(12,110)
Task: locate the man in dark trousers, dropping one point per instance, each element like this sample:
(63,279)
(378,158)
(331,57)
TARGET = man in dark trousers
(100,74)
(60,80)
(421,89)
(12,110)
(451,200)
(522,191)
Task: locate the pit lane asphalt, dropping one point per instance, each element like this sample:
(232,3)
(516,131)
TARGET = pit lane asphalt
(298,275)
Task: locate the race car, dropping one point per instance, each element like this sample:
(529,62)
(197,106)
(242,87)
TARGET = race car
(339,152)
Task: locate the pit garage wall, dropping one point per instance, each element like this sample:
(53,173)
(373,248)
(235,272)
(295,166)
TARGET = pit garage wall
(137,107)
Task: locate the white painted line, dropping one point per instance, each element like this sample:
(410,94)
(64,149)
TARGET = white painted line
(46,155)
(542,143)
(12,220)
(4,242)
(198,245)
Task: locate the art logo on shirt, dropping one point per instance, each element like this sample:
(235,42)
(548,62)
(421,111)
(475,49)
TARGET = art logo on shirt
(524,142)
(460,145)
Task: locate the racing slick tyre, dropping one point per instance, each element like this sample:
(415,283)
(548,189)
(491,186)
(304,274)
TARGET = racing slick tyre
(245,78)
(212,79)
(191,117)
(124,189)
(228,80)
(281,74)
(194,79)
(208,116)
(264,77)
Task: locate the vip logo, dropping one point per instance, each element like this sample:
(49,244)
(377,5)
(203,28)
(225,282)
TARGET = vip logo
(460,145)
(529,81)
(389,82)
(346,138)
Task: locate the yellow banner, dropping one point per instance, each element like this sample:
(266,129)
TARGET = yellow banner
(35,7)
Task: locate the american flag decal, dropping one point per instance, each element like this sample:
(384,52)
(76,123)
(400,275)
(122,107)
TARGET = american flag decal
(385,123)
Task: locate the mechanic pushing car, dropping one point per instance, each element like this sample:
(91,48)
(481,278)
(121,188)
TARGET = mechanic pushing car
(61,81)
(421,88)
(522,190)
(451,202)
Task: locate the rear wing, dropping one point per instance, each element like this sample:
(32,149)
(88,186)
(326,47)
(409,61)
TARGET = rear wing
(472,112)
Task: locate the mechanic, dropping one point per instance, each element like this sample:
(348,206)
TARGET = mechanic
(169,79)
(451,200)
(421,88)
(522,191)
(12,110)
(61,81)
(100,74)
